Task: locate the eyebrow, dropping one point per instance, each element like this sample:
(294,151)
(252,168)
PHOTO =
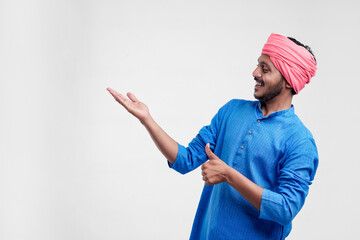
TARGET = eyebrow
(264,63)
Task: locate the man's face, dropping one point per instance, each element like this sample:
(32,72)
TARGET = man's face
(269,82)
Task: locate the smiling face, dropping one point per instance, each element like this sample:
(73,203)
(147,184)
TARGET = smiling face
(269,81)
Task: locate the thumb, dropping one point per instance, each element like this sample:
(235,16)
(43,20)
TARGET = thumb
(132,97)
(208,151)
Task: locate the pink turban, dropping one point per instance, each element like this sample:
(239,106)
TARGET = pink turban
(294,62)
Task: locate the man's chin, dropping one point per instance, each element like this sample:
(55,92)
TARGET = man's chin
(257,96)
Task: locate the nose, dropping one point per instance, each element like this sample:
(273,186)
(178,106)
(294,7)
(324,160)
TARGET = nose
(257,72)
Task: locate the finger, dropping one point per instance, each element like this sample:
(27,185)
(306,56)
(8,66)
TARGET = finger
(112,91)
(208,151)
(118,97)
(132,97)
(204,178)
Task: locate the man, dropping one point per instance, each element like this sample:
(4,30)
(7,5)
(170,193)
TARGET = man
(262,159)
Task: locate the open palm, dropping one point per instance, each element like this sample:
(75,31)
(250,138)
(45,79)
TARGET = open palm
(132,105)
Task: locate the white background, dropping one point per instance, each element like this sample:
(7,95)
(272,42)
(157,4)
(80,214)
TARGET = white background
(75,165)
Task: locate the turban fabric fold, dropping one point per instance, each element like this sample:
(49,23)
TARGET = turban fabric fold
(294,62)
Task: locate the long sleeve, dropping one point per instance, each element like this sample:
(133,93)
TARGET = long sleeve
(191,157)
(296,173)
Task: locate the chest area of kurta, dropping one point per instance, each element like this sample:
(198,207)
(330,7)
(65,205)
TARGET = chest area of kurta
(254,145)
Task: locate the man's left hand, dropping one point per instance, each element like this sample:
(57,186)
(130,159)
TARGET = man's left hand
(215,170)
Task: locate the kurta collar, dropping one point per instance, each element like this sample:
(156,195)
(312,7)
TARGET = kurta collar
(286,113)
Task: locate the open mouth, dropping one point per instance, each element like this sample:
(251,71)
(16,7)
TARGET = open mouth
(259,83)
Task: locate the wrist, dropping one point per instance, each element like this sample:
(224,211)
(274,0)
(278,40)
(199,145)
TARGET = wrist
(146,121)
(228,174)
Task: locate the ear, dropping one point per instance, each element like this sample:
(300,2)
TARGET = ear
(287,85)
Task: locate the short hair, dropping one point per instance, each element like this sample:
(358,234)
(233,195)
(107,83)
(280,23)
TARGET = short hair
(304,46)
(307,48)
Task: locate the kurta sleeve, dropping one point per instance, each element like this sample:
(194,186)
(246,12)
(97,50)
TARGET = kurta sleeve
(296,173)
(191,157)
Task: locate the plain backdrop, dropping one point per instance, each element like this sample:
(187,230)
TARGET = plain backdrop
(75,165)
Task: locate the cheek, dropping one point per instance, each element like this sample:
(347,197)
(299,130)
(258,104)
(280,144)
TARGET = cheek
(267,80)
(272,79)
(277,76)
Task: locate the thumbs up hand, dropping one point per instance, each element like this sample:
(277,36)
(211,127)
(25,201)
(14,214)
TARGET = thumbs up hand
(215,170)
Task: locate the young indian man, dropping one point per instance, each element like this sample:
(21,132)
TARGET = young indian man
(257,157)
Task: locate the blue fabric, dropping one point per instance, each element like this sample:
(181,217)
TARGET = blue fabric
(279,154)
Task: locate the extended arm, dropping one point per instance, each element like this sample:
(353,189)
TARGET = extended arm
(167,146)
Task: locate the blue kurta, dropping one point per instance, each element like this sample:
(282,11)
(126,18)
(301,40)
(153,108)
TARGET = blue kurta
(276,152)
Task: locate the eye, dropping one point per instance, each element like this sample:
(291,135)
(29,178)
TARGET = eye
(263,69)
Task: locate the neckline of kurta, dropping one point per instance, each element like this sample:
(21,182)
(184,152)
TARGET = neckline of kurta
(286,113)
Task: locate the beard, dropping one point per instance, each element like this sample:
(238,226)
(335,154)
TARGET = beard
(271,93)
